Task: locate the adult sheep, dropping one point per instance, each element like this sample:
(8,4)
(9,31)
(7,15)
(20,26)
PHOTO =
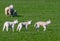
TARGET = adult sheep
(9,10)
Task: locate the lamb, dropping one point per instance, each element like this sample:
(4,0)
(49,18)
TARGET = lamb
(20,25)
(8,24)
(41,23)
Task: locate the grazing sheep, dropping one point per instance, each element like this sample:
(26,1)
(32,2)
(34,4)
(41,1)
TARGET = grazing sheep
(8,24)
(23,24)
(44,24)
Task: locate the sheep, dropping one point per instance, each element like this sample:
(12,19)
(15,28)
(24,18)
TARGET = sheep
(41,23)
(20,25)
(8,24)
(9,10)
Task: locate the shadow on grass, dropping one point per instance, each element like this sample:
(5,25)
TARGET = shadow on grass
(18,16)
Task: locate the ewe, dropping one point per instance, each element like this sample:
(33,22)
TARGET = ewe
(9,10)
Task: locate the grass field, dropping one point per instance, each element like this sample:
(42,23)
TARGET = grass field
(35,10)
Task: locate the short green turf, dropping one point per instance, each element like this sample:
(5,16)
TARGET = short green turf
(35,10)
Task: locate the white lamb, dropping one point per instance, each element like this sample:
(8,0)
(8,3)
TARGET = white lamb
(44,24)
(23,24)
(8,24)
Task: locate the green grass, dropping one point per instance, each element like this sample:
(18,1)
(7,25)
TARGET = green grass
(35,10)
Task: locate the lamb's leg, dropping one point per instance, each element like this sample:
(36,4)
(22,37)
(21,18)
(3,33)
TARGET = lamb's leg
(13,28)
(26,27)
(37,27)
(6,28)
(44,28)
(3,28)
(19,28)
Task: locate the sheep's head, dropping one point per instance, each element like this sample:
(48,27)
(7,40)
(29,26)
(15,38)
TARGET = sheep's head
(29,22)
(49,21)
(15,21)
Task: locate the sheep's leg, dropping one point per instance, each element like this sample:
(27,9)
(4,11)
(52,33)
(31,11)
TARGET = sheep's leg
(6,28)
(13,28)
(26,27)
(44,28)
(3,27)
(37,27)
(20,28)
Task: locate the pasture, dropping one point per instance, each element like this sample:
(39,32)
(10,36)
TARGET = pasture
(35,10)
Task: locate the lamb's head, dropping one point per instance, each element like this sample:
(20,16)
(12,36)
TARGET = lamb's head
(15,21)
(48,22)
(29,22)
